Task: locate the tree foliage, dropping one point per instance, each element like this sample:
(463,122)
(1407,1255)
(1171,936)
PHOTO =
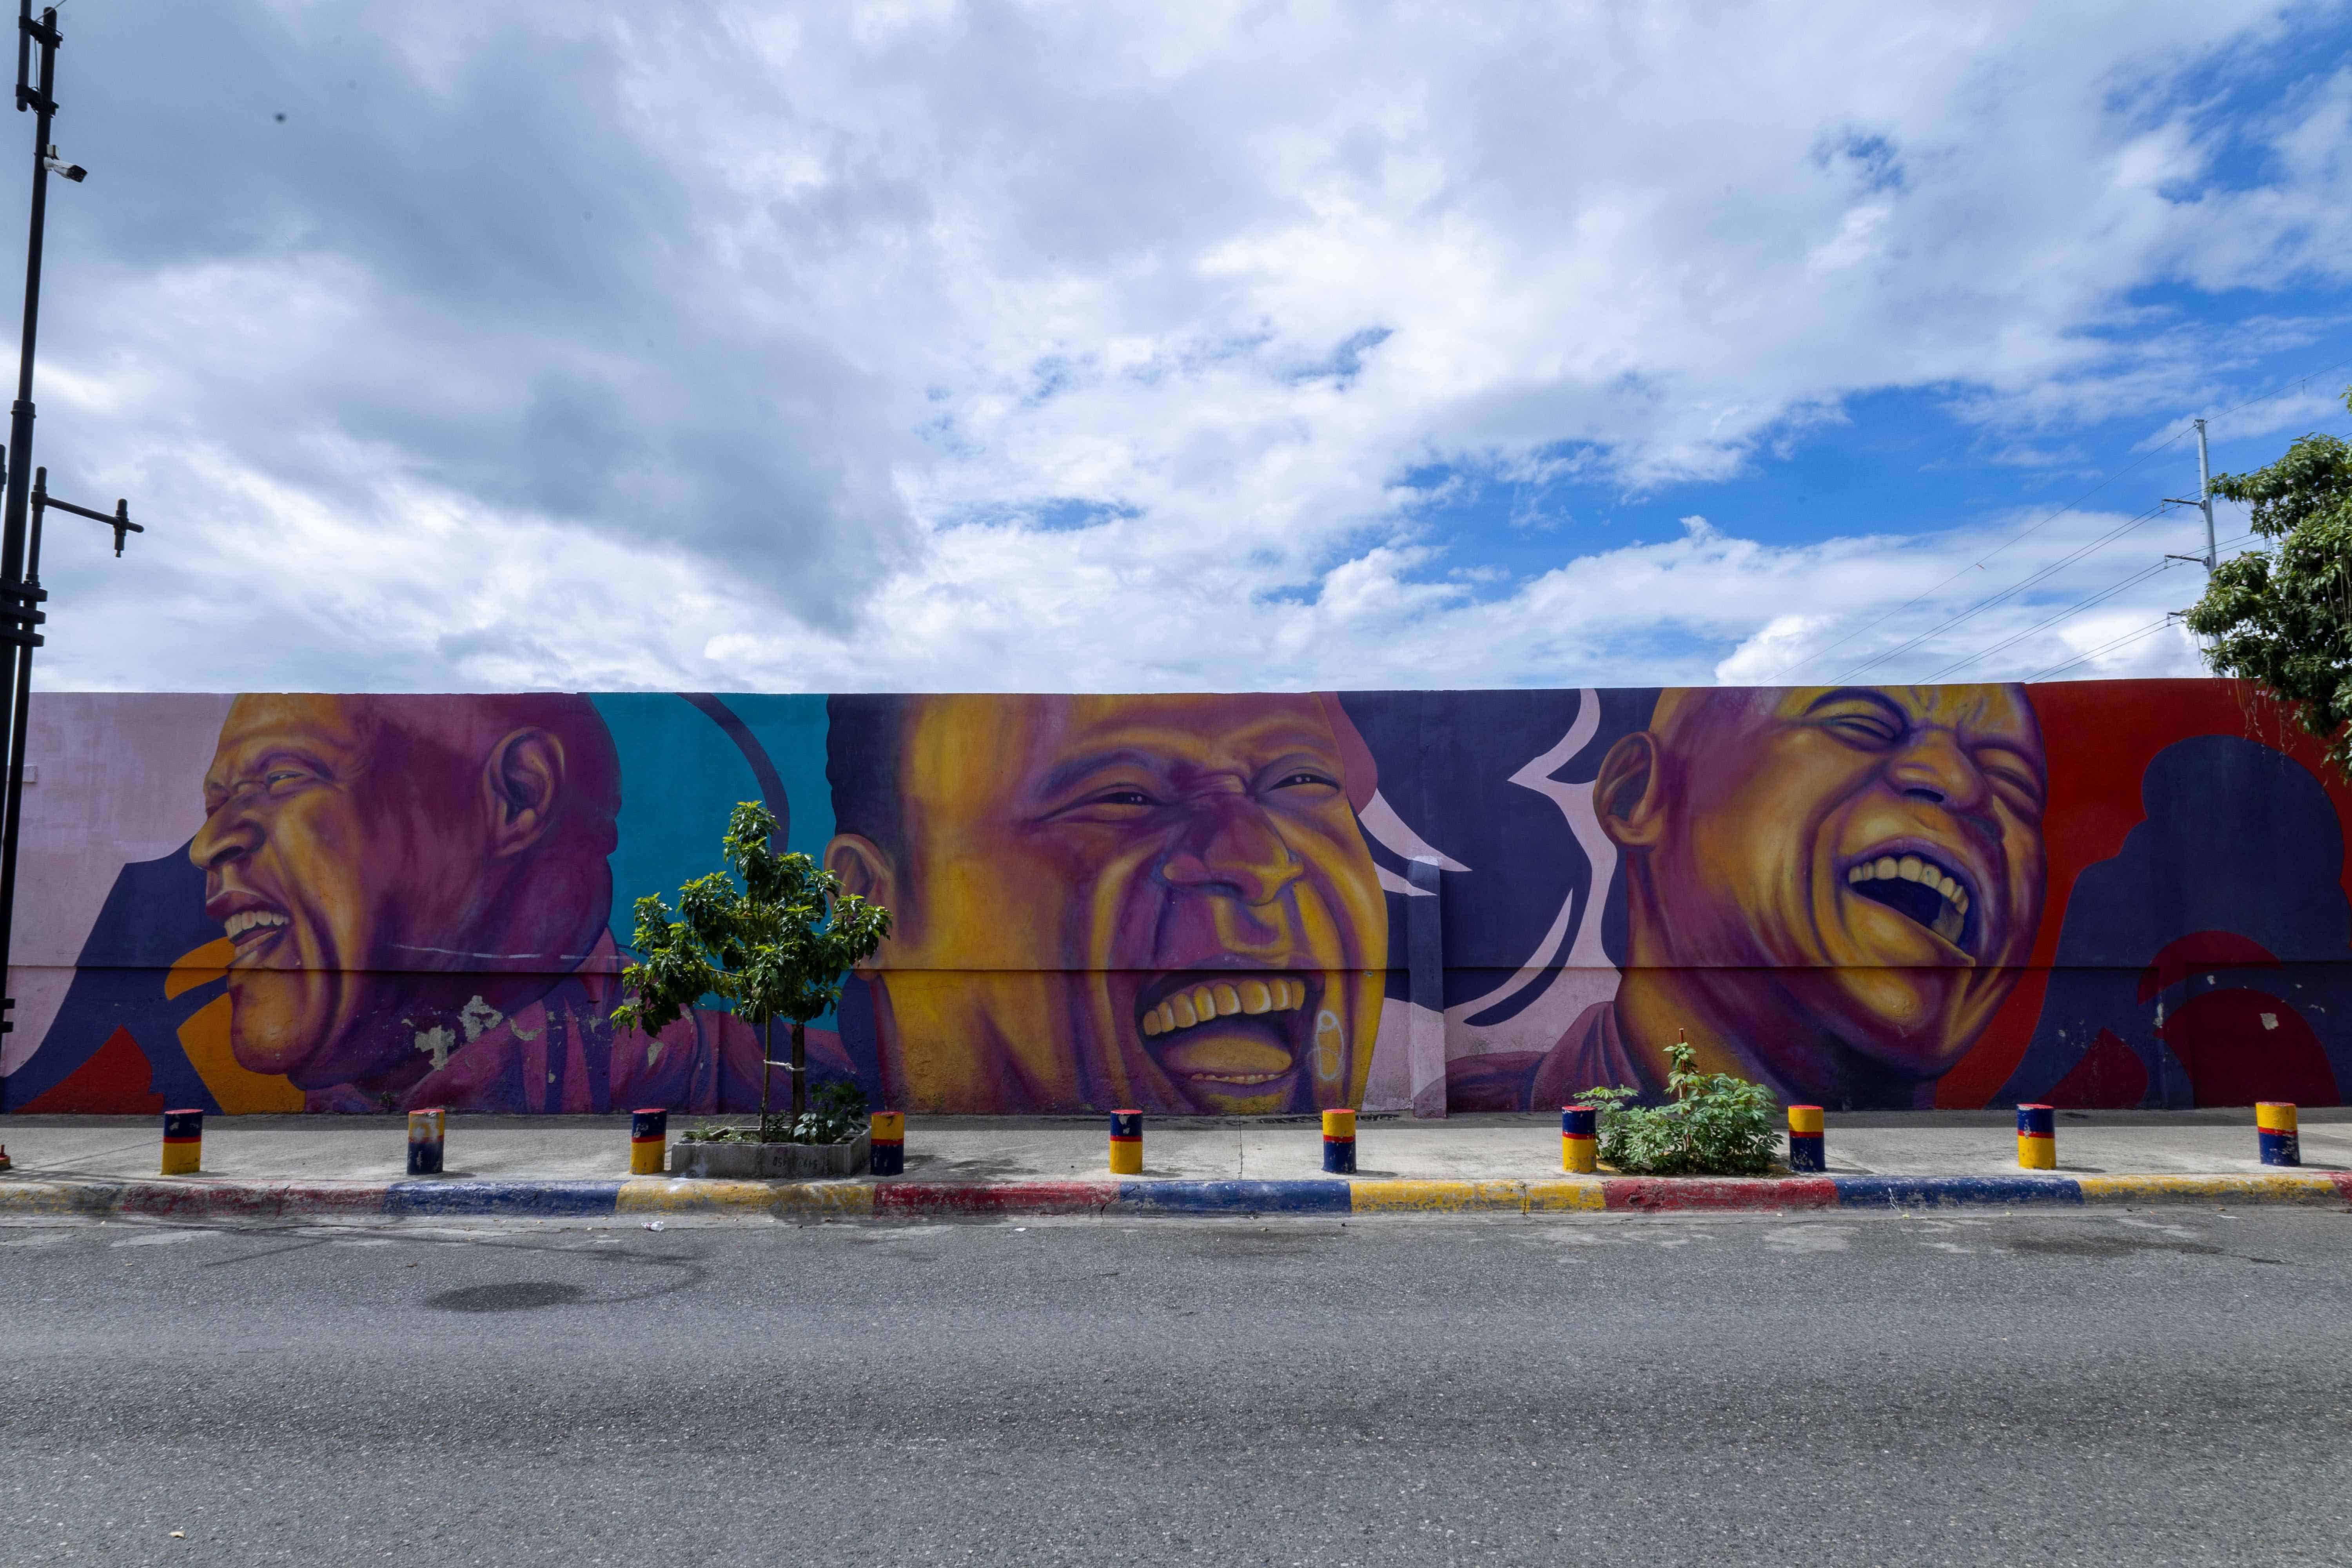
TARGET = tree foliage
(2283,617)
(775,939)
(1714,1124)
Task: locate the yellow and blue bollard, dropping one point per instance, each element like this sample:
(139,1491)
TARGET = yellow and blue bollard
(1339,1143)
(1580,1141)
(649,1142)
(1127,1143)
(426,1130)
(2274,1129)
(184,1142)
(887,1143)
(1805,1150)
(2037,1138)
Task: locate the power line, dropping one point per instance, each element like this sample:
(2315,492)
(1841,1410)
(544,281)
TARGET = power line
(2128,638)
(2139,576)
(1922,598)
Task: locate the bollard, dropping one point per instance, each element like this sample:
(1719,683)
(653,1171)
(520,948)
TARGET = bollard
(886,1137)
(184,1142)
(426,1130)
(2037,1138)
(2274,1129)
(1127,1143)
(649,1142)
(1805,1151)
(1579,1139)
(1339,1143)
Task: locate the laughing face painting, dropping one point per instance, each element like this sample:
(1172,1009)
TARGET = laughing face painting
(1162,902)
(1829,888)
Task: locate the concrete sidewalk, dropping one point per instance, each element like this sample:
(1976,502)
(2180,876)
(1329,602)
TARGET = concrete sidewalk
(373,1149)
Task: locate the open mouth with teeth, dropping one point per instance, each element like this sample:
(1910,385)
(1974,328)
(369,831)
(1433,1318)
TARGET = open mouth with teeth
(254,928)
(1227,1032)
(1922,888)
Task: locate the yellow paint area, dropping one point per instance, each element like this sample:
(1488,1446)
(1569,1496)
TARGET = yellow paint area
(2297,1188)
(2037,1154)
(846,1200)
(1558,1197)
(199,966)
(236,1089)
(2274,1116)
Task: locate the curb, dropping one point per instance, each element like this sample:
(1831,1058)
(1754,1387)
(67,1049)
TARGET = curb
(200,1198)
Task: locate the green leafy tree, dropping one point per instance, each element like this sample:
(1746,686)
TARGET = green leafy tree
(775,939)
(2283,617)
(1716,1124)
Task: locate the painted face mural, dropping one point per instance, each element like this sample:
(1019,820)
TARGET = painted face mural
(1255,904)
(1157,902)
(1831,886)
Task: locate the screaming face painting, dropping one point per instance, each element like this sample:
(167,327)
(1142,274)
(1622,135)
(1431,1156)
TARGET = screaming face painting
(1245,904)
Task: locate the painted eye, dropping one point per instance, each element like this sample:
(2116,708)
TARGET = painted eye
(1303,780)
(1122,797)
(1863,728)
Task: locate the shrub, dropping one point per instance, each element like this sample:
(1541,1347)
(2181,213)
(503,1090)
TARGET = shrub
(837,1114)
(1716,1124)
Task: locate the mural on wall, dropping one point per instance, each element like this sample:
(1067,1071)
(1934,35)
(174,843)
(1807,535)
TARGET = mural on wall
(2106,894)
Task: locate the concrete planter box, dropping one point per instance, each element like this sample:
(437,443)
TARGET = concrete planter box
(751,1162)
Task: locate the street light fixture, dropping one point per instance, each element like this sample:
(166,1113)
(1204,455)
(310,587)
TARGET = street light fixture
(27,488)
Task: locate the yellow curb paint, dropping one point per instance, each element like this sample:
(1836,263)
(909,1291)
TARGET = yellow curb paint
(2314,1188)
(1560,1198)
(57,1197)
(827,1200)
(1393,1196)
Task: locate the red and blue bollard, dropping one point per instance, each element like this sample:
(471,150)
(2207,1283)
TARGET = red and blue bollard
(1127,1143)
(649,1142)
(184,1142)
(2274,1131)
(1805,1149)
(887,1143)
(1339,1143)
(1580,1139)
(427,1132)
(2037,1138)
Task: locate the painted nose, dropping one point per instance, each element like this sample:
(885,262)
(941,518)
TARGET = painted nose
(229,833)
(1235,851)
(1934,769)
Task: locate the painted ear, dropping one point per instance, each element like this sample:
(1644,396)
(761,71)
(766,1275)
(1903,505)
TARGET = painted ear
(522,785)
(1629,795)
(866,871)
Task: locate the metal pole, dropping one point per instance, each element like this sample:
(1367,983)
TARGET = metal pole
(2205,493)
(18,594)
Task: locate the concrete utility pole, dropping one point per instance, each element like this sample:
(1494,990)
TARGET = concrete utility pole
(2204,501)
(27,488)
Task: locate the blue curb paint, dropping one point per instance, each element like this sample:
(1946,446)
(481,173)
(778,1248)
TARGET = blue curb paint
(1939,1192)
(1307,1196)
(568,1199)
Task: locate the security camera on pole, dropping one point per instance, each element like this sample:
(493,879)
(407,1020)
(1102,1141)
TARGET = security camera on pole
(28,499)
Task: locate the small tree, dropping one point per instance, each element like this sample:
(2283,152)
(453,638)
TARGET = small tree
(776,947)
(2285,620)
(1716,1124)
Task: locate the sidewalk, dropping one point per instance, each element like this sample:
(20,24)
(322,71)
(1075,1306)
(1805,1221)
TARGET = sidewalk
(291,1166)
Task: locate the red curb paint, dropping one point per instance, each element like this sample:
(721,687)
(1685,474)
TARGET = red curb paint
(1669,1194)
(269,1200)
(910,1198)
(2343,1180)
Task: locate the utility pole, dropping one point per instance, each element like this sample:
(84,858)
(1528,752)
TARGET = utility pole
(28,489)
(2204,501)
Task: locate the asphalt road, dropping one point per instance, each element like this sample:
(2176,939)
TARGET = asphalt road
(2158,1387)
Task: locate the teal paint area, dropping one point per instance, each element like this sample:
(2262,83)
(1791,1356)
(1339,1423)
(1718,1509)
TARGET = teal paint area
(683,771)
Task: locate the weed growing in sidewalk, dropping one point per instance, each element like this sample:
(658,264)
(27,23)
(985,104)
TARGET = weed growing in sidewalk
(1716,1124)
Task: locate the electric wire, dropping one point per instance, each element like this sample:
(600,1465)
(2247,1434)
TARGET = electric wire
(2124,641)
(2143,575)
(2272,390)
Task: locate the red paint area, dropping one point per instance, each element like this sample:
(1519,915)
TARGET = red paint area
(2100,737)
(2110,1076)
(1674,1194)
(2234,1058)
(2201,950)
(911,1198)
(117,1081)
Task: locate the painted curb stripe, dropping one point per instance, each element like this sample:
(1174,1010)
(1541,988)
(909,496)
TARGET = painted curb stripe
(1676,1195)
(916,1198)
(1944,1192)
(1233,1198)
(403,1199)
(1439,1197)
(702,1195)
(2315,1187)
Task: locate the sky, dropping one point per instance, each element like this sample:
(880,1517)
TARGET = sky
(1220,346)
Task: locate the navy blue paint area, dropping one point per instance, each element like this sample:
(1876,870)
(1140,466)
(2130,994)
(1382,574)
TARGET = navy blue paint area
(1446,761)
(1235,1197)
(764,768)
(2267,873)
(552,1199)
(153,918)
(1940,1191)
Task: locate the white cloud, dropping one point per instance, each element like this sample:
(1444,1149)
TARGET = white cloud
(738,349)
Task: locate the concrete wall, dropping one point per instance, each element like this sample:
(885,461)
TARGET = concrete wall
(2098,893)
